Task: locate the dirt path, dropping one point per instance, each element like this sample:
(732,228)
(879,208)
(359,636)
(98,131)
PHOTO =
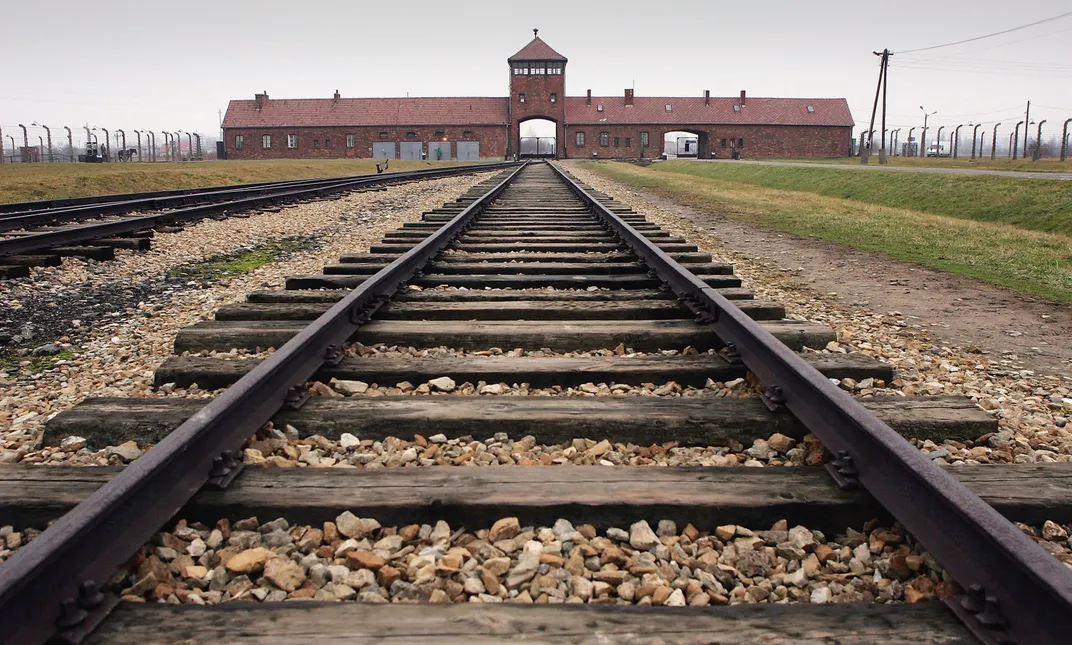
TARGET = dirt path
(959,311)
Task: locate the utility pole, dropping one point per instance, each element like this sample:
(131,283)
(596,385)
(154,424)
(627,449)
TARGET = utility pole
(880,89)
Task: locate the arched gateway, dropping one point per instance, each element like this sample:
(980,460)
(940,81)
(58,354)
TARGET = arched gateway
(537,92)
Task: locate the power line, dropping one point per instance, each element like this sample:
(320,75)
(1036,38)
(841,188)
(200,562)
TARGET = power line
(996,33)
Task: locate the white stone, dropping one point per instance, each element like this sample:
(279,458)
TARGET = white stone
(350,388)
(443,384)
(347,441)
(642,537)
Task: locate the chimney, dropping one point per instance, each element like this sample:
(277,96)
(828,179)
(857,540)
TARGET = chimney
(629,97)
(259,100)
(742,97)
(337,96)
(589,101)
(707,97)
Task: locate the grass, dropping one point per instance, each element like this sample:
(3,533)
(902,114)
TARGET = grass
(1034,263)
(1035,204)
(1001,163)
(13,365)
(243,261)
(32,182)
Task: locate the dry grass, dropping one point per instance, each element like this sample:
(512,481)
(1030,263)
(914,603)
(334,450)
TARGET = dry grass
(1031,262)
(31,182)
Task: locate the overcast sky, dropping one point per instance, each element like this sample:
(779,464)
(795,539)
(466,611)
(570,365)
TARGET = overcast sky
(172,65)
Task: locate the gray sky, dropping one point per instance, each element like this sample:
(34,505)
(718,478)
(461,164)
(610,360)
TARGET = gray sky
(132,65)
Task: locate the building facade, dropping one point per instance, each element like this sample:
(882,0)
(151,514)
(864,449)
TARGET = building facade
(471,128)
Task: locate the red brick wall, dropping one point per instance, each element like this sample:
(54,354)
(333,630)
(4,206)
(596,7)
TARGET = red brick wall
(492,140)
(537,90)
(759,141)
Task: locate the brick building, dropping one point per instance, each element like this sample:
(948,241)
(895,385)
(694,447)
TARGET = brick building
(469,128)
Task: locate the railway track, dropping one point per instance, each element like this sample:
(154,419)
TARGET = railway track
(575,290)
(42,233)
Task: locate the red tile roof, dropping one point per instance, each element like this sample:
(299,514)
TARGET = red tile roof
(367,111)
(691,110)
(537,50)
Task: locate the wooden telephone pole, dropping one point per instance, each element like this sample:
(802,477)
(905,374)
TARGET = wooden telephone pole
(881,89)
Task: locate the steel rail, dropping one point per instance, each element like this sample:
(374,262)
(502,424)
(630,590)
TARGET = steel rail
(1017,592)
(62,566)
(23,219)
(149,201)
(74,235)
(67,202)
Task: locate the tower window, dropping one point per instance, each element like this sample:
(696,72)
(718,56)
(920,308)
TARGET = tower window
(580,138)
(521,97)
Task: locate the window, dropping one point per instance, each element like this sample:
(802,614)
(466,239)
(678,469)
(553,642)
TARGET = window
(669,108)
(327,143)
(617,141)
(724,143)
(349,141)
(468,134)
(292,141)
(811,109)
(554,97)
(411,135)
(316,143)
(740,143)
(239,140)
(266,141)
(580,138)
(628,142)
(439,134)
(644,139)
(604,139)
(736,108)
(383,135)
(521,97)
(599,108)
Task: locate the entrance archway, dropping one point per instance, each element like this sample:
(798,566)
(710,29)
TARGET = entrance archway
(685,144)
(537,138)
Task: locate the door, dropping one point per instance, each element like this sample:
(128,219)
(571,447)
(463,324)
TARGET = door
(468,150)
(383,150)
(411,150)
(439,151)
